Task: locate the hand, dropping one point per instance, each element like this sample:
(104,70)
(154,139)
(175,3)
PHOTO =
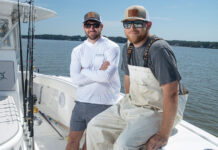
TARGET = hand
(156,141)
(105,65)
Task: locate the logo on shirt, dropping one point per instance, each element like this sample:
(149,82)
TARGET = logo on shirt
(99,55)
(2,75)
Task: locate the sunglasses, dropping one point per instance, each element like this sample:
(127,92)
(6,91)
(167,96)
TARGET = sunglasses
(136,24)
(95,25)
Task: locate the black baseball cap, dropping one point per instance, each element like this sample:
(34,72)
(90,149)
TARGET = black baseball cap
(92,16)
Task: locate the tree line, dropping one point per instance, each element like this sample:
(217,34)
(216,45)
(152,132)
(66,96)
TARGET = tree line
(200,44)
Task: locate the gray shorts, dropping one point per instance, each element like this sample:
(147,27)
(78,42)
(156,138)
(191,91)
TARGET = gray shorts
(82,113)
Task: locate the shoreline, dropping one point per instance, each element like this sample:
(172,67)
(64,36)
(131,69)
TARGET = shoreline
(118,39)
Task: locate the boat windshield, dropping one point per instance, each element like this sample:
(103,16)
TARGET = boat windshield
(3,31)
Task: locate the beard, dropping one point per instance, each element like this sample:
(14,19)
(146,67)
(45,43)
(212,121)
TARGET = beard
(136,38)
(93,36)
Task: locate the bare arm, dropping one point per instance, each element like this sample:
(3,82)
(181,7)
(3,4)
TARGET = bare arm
(126,83)
(170,104)
(105,65)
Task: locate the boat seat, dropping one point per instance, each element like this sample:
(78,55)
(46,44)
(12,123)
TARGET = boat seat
(9,119)
(7,76)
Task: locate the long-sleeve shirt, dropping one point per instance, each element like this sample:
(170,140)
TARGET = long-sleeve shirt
(94,85)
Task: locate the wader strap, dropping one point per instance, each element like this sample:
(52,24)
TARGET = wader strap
(129,53)
(145,57)
(147,50)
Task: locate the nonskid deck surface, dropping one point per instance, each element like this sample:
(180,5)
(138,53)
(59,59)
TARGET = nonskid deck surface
(9,119)
(46,137)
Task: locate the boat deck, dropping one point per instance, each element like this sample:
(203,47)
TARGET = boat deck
(9,120)
(188,137)
(184,137)
(46,138)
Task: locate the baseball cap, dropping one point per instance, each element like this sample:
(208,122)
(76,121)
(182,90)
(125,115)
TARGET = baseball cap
(136,13)
(92,16)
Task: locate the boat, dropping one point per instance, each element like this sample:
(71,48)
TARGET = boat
(53,97)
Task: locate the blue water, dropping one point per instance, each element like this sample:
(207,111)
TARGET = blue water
(198,68)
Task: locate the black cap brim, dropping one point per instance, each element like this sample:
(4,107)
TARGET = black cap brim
(92,19)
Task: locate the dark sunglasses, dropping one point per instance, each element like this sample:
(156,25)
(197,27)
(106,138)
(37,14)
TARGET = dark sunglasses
(136,24)
(95,25)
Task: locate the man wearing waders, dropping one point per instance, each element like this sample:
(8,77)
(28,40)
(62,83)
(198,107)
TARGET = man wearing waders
(154,100)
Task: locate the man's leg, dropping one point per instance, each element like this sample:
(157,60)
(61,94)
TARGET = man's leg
(103,129)
(84,146)
(74,140)
(91,111)
(77,127)
(81,115)
(142,124)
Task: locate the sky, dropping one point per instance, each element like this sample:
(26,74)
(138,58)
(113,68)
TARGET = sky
(189,20)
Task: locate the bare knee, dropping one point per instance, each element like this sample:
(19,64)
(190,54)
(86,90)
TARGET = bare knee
(75,136)
(74,140)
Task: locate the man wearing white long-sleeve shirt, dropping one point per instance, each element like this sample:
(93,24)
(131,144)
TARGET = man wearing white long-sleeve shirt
(94,69)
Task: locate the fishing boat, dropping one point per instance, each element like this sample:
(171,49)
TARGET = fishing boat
(35,108)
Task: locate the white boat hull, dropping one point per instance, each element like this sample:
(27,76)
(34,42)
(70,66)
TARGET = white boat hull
(50,90)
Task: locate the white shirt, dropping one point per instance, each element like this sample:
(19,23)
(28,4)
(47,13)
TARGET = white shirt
(94,85)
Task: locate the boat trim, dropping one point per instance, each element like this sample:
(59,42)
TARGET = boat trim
(188,127)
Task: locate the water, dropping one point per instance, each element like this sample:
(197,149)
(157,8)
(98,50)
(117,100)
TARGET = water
(198,68)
